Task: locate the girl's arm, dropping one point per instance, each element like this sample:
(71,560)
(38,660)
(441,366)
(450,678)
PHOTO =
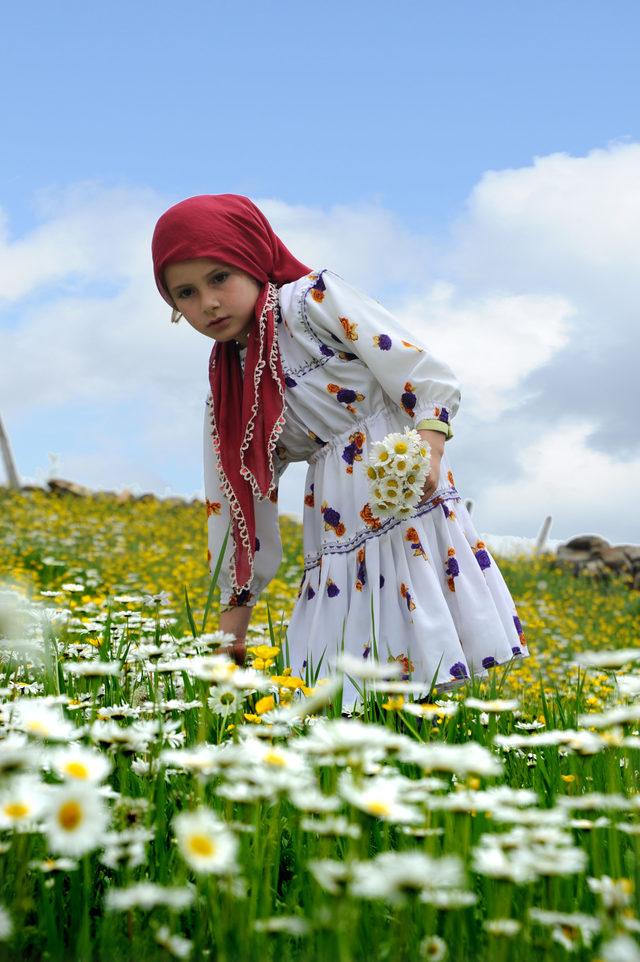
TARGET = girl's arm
(236,621)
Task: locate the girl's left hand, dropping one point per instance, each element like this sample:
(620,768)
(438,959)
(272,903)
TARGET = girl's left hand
(431,483)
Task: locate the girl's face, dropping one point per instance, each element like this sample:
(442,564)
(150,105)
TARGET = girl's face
(217,300)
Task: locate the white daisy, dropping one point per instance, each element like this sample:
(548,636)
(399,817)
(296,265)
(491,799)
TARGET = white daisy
(206,843)
(78,763)
(21,802)
(76,819)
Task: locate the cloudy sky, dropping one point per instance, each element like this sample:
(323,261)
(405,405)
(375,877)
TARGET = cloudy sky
(475,166)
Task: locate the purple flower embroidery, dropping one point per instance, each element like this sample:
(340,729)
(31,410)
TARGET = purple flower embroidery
(289,381)
(257,548)
(382,581)
(408,398)
(383,341)
(346,395)
(353,450)
(332,588)
(516,650)
(489,662)
(442,415)
(446,510)
(310,592)
(459,670)
(518,624)
(366,651)
(326,350)
(452,569)
(483,559)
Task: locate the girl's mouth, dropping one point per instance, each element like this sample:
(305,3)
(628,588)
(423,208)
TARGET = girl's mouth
(215,323)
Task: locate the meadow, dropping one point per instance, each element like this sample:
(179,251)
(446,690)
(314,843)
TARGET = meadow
(157,801)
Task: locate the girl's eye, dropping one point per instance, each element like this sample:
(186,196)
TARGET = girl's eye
(184,293)
(220,278)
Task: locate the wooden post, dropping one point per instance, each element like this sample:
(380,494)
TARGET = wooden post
(543,534)
(7,457)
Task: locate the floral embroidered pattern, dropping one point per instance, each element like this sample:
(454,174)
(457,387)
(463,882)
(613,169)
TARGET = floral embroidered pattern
(346,396)
(243,597)
(213,507)
(413,538)
(361,570)
(310,593)
(383,341)
(309,498)
(370,519)
(452,569)
(332,588)
(518,625)
(290,381)
(406,594)
(414,346)
(318,289)
(482,556)
(450,479)
(407,665)
(332,519)
(408,399)
(459,670)
(350,328)
(353,450)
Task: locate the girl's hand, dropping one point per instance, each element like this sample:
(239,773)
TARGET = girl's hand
(431,483)
(436,441)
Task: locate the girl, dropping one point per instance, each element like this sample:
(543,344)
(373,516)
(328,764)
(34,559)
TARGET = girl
(307,368)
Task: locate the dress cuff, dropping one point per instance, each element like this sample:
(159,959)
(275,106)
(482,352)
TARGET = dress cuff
(433,424)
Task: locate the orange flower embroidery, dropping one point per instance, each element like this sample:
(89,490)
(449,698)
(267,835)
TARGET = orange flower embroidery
(409,344)
(369,518)
(213,507)
(350,328)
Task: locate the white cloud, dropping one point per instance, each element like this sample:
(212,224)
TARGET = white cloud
(584,491)
(484,337)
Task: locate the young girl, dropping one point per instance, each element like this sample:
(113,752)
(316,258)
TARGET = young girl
(305,367)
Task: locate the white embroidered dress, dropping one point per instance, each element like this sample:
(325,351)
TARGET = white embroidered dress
(440,604)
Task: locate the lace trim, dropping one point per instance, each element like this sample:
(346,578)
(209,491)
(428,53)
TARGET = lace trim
(234,505)
(271,304)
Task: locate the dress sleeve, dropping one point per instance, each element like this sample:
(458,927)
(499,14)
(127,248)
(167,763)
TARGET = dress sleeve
(412,376)
(268,548)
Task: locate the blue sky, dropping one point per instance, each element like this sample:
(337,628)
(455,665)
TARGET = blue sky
(419,122)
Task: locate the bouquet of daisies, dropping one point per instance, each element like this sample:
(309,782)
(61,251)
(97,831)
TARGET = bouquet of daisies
(397,469)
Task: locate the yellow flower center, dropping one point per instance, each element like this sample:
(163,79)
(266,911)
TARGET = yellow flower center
(76,770)
(37,726)
(401,447)
(201,845)
(378,808)
(70,815)
(273,758)
(16,810)
(227,698)
(383,456)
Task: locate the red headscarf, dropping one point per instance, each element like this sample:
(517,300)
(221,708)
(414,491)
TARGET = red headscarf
(247,415)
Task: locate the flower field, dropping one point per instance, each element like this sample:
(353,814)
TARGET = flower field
(158,802)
